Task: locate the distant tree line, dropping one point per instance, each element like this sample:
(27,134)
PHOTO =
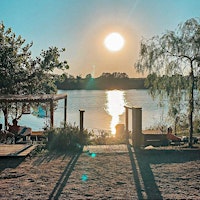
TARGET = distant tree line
(114,80)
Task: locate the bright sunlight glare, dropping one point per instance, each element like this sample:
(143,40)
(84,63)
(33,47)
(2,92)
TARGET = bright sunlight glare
(115,107)
(114,42)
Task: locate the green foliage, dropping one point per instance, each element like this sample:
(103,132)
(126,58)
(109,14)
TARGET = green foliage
(70,138)
(40,149)
(22,74)
(197,126)
(173,62)
(67,138)
(19,72)
(183,126)
(172,52)
(114,75)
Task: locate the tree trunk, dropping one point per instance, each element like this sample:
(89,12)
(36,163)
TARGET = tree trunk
(5,112)
(191,107)
(191,126)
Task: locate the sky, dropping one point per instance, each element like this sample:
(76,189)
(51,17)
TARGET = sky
(80,26)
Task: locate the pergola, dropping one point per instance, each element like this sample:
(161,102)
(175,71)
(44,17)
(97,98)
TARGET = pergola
(44,98)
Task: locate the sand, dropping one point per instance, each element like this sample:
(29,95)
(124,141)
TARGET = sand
(103,172)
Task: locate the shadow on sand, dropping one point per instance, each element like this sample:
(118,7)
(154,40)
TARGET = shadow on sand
(61,183)
(48,157)
(143,176)
(10,162)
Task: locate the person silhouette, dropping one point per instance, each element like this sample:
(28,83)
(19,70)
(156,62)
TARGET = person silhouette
(14,128)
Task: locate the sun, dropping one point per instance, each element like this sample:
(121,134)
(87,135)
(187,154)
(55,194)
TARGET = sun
(114,42)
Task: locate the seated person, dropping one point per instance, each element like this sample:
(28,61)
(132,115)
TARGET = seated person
(19,131)
(4,135)
(14,128)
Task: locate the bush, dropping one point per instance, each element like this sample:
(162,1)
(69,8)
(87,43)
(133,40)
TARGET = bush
(67,138)
(103,138)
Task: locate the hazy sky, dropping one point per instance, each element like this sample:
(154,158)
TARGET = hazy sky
(80,26)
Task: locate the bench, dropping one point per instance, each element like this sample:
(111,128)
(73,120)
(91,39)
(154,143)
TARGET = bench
(37,135)
(155,139)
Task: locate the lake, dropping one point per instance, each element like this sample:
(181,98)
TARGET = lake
(103,109)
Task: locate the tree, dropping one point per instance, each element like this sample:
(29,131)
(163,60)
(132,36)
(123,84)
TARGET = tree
(106,75)
(114,75)
(173,63)
(78,81)
(19,72)
(88,76)
(120,75)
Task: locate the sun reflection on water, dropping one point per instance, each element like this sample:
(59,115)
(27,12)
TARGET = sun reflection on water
(115,107)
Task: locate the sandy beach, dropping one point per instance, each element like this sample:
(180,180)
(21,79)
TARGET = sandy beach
(103,172)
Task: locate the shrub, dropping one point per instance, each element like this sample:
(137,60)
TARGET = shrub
(67,138)
(103,138)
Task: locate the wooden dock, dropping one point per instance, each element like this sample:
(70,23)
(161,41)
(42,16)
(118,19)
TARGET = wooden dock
(16,150)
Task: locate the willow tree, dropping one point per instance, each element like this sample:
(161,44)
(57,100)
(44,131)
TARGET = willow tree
(173,64)
(22,74)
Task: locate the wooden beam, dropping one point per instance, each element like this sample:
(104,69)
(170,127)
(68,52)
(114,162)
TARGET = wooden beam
(51,114)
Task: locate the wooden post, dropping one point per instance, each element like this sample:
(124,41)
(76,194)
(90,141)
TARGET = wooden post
(81,120)
(51,114)
(81,125)
(126,122)
(65,112)
(137,126)
(133,126)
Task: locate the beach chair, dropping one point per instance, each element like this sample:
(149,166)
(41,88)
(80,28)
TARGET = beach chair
(23,133)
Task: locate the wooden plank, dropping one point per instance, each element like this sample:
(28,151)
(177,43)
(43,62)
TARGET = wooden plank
(21,150)
(15,149)
(36,133)
(27,151)
(7,149)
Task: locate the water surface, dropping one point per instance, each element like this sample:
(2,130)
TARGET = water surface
(103,109)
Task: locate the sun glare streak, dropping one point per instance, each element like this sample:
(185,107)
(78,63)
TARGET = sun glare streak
(115,107)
